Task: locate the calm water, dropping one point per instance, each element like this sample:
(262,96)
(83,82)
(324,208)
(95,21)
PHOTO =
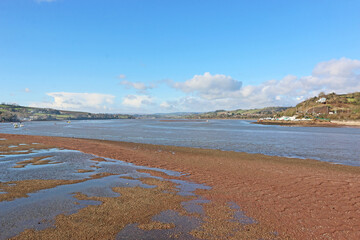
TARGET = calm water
(338,145)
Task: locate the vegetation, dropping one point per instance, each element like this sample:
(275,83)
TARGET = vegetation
(328,106)
(15,113)
(240,113)
(324,106)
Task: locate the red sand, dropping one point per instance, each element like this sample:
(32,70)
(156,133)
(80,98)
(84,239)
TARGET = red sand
(301,199)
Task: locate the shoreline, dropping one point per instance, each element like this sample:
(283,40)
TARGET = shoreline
(302,199)
(334,124)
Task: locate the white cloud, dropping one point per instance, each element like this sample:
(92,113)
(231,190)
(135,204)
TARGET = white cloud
(122,76)
(137,85)
(209,86)
(343,67)
(27,90)
(338,75)
(94,102)
(137,101)
(211,92)
(166,105)
(223,92)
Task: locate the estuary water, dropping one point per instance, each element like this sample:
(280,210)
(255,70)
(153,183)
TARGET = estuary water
(336,145)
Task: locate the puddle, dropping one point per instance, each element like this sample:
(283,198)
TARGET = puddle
(194,206)
(167,172)
(2,139)
(35,166)
(111,165)
(21,151)
(12,146)
(187,188)
(11,154)
(183,225)
(37,211)
(240,215)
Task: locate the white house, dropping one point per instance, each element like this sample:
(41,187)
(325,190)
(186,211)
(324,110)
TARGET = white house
(321,100)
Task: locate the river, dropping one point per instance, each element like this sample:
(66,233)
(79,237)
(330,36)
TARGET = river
(336,145)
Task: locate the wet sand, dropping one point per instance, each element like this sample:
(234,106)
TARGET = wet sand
(298,199)
(42,200)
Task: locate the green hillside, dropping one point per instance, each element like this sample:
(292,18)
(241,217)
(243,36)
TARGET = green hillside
(331,106)
(326,106)
(14,113)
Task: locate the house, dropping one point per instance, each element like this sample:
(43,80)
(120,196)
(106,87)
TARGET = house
(284,118)
(321,100)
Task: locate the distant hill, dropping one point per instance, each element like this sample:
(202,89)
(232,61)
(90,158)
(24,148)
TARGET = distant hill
(240,113)
(331,106)
(175,115)
(327,106)
(14,113)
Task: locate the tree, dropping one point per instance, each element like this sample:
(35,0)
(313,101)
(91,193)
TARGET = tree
(321,94)
(8,117)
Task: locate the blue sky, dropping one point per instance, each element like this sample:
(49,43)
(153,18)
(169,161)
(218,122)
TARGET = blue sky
(145,56)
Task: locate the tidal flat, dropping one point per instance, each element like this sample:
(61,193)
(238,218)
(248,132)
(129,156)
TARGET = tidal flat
(198,193)
(48,190)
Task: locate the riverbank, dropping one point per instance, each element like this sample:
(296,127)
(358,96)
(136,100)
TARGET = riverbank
(310,123)
(347,123)
(300,199)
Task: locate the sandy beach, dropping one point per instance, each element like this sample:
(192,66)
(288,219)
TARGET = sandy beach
(296,198)
(347,123)
(333,123)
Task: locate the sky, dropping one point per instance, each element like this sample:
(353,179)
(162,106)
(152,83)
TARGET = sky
(154,56)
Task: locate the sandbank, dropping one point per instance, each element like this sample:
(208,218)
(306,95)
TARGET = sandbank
(298,198)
